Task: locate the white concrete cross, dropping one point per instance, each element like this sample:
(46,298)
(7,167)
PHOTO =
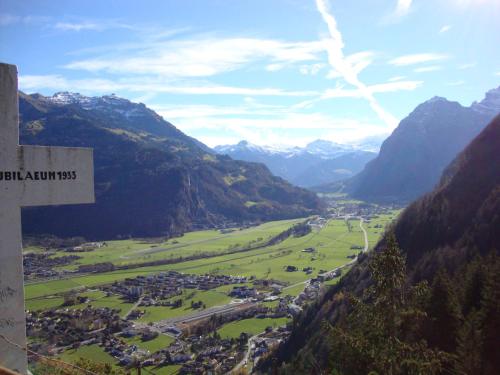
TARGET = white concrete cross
(29,176)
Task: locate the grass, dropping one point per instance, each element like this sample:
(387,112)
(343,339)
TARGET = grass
(251,326)
(99,300)
(160,342)
(294,290)
(92,352)
(44,303)
(209,298)
(125,252)
(332,243)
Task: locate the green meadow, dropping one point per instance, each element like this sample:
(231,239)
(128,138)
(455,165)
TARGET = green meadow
(209,297)
(333,244)
(250,326)
(158,343)
(126,252)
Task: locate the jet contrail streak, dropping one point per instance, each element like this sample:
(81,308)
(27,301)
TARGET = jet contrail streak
(339,63)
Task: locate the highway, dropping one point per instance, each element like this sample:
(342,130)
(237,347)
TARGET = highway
(161,325)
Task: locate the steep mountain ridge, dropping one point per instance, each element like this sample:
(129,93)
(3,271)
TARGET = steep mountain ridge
(150,181)
(450,239)
(415,154)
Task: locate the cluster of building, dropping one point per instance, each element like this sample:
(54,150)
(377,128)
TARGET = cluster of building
(124,353)
(64,328)
(165,285)
(212,355)
(310,293)
(267,342)
(89,246)
(341,209)
(41,265)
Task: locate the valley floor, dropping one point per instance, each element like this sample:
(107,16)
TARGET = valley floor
(274,283)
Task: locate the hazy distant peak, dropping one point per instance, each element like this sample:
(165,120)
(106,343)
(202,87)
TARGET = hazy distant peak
(436,99)
(490,104)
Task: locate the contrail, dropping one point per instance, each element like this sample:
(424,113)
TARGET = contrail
(338,62)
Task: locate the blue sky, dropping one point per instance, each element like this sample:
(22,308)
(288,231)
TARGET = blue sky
(272,72)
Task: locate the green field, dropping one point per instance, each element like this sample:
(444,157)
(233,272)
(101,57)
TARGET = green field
(160,342)
(251,326)
(333,244)
(92,352)
(207,241)
(208,297)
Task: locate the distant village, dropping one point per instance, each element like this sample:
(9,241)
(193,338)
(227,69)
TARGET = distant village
(196,345)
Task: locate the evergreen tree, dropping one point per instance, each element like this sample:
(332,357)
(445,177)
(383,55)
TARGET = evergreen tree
(469,346)
(373,337)
(490,317)
(445,316)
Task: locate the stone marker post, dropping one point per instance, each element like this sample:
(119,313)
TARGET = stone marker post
(29,176)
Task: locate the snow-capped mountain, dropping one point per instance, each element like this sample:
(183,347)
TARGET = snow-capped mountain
(108,103)
(317,163)
(121,115)
(327,149)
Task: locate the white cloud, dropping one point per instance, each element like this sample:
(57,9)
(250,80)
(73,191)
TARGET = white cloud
(444,29)
(426,69)
(359,62)
(311,69)
(202,57)
(11,19)
(144,84)
(497,73)
(347,69)
(274,67)
(283,128)
(69,26)
(395,86)
(341,92)
(417,58)
(204,110)
(402,8)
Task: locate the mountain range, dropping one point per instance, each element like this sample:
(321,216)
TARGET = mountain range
(413,157)
(449,240)
(317,163)
(150,178)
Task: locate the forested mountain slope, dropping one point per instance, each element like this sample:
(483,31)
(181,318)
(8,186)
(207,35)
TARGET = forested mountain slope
(434,307)
(150,178)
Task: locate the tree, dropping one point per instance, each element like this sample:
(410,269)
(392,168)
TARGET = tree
(378,336)
(445,316)
(490,317)
(469,346)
